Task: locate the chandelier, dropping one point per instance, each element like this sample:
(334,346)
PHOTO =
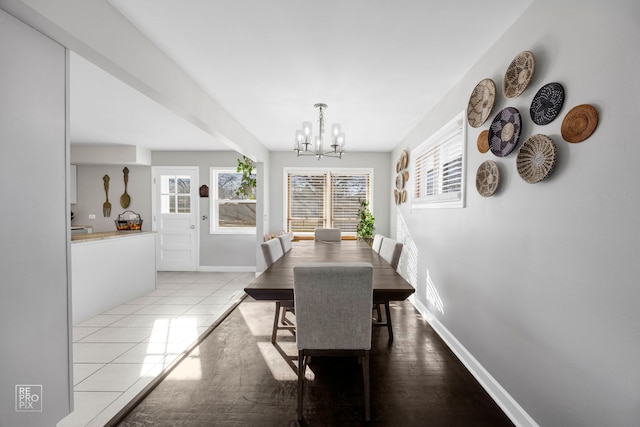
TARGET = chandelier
(306,146)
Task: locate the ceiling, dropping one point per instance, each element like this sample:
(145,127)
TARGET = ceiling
(380,65)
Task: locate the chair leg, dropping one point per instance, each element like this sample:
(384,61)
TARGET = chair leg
(379,319)
(387,312)
(275,323)
(302,364)
(367,392)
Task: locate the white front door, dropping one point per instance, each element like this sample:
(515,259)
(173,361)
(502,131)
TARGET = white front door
(175,218)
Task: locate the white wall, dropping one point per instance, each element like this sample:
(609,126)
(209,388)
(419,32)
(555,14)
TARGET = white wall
(34,311)
(540,282)
(217,251)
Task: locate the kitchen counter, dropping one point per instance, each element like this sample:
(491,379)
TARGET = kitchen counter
(106,235)
(109,269)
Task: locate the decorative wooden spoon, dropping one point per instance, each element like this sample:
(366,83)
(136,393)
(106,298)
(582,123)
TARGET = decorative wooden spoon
(125,199)
(106,206)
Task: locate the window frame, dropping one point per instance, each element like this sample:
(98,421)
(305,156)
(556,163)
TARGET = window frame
(452,133)
(328,192)
(214,213)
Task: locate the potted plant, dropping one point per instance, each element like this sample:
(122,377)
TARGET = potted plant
(248,181)
(366,227)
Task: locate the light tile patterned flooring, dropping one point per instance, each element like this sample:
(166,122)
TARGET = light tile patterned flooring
(119,352)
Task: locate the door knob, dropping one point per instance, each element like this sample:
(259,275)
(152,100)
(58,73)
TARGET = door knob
(193,226)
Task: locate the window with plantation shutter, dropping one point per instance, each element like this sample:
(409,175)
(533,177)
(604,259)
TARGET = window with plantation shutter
(327,198)
(306,202)
(347,190)
(439,167)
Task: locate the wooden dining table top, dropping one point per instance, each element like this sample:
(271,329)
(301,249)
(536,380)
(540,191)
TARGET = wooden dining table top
(276,282)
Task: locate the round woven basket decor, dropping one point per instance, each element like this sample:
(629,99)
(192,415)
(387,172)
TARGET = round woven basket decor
(504,132)
(481,102)
(487,178)
(579,123)
(404,159)
(547,103)
(536,158)
(518,75)
(483,141)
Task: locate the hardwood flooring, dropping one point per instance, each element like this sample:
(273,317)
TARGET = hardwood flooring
(236,377)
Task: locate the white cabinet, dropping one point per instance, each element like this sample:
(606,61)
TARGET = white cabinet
(73,185)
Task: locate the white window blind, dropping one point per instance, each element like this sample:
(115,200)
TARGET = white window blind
(439,167)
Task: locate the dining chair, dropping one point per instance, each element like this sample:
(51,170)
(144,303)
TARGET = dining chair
(285,241)
(285,306)
(333,316)
(272,251)
(390,251)
(377,241)
(327,234)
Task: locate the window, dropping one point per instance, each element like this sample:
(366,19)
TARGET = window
(439,167)
(175,194)
(325,198)
(231,212)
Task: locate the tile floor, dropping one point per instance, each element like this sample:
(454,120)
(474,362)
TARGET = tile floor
(117,353)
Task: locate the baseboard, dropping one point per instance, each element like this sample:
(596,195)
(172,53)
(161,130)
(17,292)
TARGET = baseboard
(227,269)
(510,407)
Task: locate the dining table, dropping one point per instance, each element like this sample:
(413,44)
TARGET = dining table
(276,282)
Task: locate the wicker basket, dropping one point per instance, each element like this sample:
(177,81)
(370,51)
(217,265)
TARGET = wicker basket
(123,224)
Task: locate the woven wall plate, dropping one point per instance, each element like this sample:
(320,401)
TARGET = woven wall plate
(487,178)
(400,181)
(504,132)
(536,158)
(579,123)
(483,141)
(481,102)
(404,159)
(547,103)
(518,75)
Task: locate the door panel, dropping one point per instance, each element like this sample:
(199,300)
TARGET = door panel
(176,218)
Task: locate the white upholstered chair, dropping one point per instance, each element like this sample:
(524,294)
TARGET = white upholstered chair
(377,241)
(327,234)
(333,316)
(285,242)
(272,251)
(390,251)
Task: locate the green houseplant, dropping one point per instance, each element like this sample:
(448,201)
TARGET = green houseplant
(248,181)
(366,226)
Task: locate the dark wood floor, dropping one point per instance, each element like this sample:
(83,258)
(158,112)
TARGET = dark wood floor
(236,377)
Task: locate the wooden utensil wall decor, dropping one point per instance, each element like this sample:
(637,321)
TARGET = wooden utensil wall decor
(106,206)
(400,193)
(125,199)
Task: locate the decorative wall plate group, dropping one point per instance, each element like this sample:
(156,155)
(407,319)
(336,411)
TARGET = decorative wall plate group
(537,156)
(402,176)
